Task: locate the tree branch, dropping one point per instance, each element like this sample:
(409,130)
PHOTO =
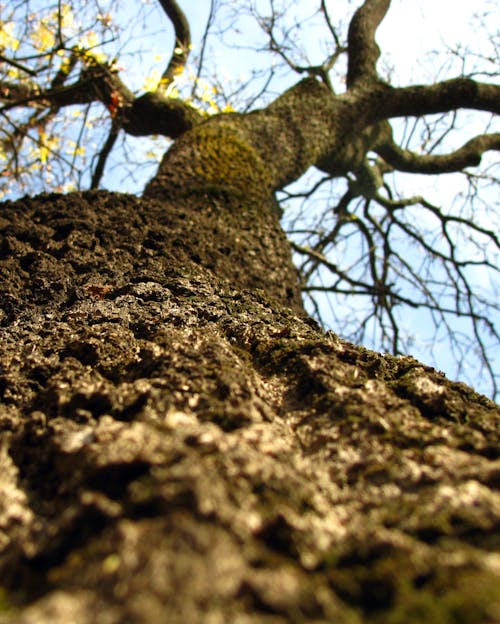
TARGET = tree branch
(18,94)
(103,155)
(152,113)
(363,51)
(204,40)
(182,42)
(96,83)
(17,65)
(440,97)
(332,30)
(469,155)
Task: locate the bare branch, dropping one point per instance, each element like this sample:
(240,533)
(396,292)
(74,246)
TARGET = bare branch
(332,30)
(182,46)
(279,48)
(103,156)
(17,65)
(469,155)
(363,51)
(439,97)
(204,40)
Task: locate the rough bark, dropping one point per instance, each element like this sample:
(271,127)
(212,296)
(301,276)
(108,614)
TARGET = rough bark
(180,443)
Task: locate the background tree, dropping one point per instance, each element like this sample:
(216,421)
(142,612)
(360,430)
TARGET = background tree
(383,266)
(179,440)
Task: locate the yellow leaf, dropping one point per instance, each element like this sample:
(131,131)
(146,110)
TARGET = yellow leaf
(43,37)
(47,144)
(105,19)
(7,39)
(172,91)
(88,43)
(44,154)
(75,150)
(66,16)
(151,82)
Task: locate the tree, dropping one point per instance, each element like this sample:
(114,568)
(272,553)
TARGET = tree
(181,442)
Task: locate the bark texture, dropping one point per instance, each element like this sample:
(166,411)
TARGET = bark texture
(181,444)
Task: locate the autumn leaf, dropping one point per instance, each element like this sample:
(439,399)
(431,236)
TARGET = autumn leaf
(7,39)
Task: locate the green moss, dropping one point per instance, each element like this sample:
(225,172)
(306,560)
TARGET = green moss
(391,588)
(473,599)
(227,157)
(5,603)
(214,159)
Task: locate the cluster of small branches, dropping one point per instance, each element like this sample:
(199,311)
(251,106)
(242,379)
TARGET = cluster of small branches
(390,270)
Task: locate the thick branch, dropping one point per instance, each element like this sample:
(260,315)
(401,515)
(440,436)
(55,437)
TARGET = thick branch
(152,113)
(441,97)
(182,41)
(96,83)
(350,155)
(371,106)
(469,155)
(362,49)
(17,94)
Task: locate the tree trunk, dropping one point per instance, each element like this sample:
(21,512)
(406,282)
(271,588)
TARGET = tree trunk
(182,444)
